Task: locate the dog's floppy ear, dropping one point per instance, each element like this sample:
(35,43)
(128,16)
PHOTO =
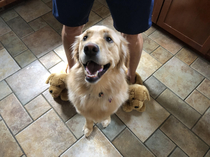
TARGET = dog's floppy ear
(49,78)
(75,49)
(124,53)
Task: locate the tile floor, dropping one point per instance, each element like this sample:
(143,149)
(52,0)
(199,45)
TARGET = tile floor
(176,122)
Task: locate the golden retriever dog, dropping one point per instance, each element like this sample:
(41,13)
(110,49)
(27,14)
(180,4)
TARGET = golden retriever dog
(97,83)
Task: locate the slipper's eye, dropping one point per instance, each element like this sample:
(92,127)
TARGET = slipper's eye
(109,40)
(85,37)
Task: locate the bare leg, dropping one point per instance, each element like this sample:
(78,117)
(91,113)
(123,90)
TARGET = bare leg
(68,38)
(88,128)
(135,48)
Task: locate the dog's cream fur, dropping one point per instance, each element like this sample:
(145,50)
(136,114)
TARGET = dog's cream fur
(85,95)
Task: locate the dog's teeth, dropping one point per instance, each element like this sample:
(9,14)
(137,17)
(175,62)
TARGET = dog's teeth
(95,75)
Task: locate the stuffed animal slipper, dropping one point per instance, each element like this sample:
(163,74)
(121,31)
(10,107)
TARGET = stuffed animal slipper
(138,94)
(58,85)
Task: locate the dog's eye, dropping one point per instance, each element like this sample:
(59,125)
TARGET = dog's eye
(59,86)
(85,37)
(109,40)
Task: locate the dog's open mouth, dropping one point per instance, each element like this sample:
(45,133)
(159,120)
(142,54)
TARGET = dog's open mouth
(94,71)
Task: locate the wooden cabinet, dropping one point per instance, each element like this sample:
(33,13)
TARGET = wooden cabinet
(188,20)
(3,3)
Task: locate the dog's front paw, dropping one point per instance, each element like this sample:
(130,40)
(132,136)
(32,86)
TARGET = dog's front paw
(87,131)
(106,122)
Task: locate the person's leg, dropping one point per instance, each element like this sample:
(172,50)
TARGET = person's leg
(68,38)
(135,48)
(73,15)
(131,18)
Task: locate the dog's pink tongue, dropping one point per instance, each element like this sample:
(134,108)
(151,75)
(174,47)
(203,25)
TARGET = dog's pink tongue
(93,67)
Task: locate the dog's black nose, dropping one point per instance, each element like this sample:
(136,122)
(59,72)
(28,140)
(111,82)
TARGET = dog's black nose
(51,91)
(91,49)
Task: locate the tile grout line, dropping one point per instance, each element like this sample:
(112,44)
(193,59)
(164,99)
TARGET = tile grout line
(59,115)
(99,128)
(189,131)
(13,136)
(181,100)
(110,142)
(133,135)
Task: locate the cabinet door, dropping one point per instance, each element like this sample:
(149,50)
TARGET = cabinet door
(2,3)
(156,10)
(189,20)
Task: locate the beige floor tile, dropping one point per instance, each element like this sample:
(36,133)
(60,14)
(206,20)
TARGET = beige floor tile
(13,44)
(202,128)
(8,145)
(113,129)
(160,144)
(129,145)
(46,1)
(95,145)
(7,64)
(37,24)
(76,124)
(103,2)
(1,46)
(29,82)
(204,88)
(147,66)
(50,5)
(154,86)
(61,53)
(148,44)
(179,77)
(184,138)
(32,9)
(37,107)
(166,41)
(43,41)
(103,12)
(5,90)
(96,5)
(161,55)
(178,108)
(144,124)
(53,22)
(64,108)
(202,66)
(93,19)
(48,136)
(208,154)
(108,22)
(50,60)
(150,31)
(60,67)
(186,55)
(8,15)
(14,114)
(198,101)
(4,28)
(20,27)
(25,58)
(178,153)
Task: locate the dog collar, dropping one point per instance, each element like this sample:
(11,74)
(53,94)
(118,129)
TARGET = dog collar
(102,94)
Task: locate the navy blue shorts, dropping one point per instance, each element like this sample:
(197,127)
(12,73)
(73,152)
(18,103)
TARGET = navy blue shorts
(129,16)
